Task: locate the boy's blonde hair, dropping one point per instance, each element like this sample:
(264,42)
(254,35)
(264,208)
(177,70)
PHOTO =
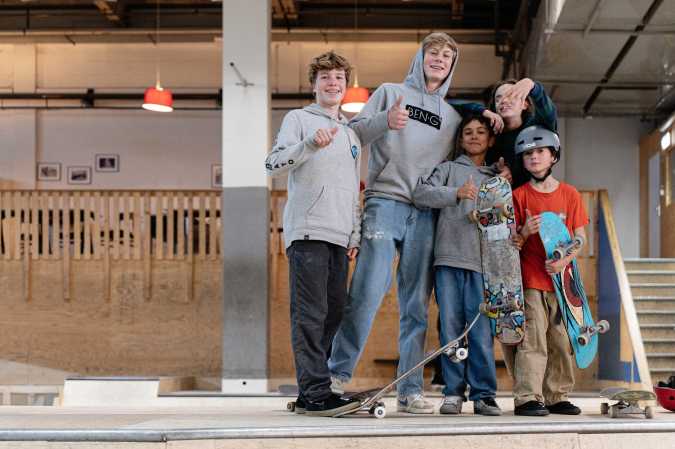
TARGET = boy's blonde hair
(439,39)
(328,61)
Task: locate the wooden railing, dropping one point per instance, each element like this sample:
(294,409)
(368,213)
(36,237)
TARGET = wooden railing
(107,226)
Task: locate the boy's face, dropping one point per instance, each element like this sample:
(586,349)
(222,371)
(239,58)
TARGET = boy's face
(437,63)
(476,138)
(507,108)
(537,161)
(330,87)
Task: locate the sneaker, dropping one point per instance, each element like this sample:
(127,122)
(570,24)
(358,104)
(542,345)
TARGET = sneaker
(300,405)
(333,405)
(415,403)
(486,407)
(452,405)
(531,408)
(564,408)
(337,385)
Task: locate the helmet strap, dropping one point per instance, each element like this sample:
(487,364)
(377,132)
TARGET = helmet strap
(543,178)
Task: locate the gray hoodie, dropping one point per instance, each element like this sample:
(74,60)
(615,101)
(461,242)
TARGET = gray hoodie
(323,183)
(457,241)
(399,158)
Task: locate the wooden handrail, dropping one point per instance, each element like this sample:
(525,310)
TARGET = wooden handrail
(627,304)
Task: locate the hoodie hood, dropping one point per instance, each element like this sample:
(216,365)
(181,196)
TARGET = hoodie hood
(416,78)
(467,162)
(315,109)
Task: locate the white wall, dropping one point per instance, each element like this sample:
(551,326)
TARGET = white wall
(604,154)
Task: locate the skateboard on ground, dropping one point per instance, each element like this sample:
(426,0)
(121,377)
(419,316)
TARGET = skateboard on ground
(627,402)
(576,315)
(371,400)
(502,282)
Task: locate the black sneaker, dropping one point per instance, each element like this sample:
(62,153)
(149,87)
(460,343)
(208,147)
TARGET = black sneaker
(531,408)
(300,405)
(333,405)
(564,408)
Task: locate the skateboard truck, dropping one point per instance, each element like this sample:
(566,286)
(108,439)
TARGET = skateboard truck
(457,354)
(487,308)
(587,332)
(566,250)
(505,209)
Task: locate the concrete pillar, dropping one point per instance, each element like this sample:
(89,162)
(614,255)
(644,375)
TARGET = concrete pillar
(245,215)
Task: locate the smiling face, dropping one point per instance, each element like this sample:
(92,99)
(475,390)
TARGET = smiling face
(476,138)
(329,87)
(538,160)
(508,109)
(437,64)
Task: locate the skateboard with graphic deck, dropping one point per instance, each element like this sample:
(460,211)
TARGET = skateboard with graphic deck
(627,402)
(502,282)
(576,314)
(371,400)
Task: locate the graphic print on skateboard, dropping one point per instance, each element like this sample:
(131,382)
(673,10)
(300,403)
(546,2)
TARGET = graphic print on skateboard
(502,282)
(572,300)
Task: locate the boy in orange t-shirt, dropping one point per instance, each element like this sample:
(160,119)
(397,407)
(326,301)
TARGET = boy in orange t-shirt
(543,364)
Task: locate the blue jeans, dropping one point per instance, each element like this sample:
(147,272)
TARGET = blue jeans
(389,226)
(459,293)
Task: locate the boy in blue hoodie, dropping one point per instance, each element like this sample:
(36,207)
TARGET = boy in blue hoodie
(420,135)
(322,223)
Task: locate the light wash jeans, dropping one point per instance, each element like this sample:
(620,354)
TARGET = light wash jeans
(459,293)
(389,226)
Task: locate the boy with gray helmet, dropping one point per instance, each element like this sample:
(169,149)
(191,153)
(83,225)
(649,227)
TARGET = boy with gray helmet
(542,365)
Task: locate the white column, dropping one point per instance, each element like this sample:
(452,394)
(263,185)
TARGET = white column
(245,216)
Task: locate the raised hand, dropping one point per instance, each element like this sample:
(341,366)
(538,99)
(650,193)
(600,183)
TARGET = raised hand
(397,117)
(519,91)
(504,171)
(496,121)
(324,137)
(468,191)
(532,224)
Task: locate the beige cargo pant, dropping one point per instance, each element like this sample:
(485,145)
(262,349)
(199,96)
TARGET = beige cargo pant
(542,365)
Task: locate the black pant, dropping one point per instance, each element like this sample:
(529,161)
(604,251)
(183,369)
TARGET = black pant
(318,283)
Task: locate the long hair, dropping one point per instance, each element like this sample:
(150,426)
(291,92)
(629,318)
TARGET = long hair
(492,105)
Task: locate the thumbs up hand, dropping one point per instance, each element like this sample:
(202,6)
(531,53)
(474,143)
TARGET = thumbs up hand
(324,137)
(468,191)
(532,224)
(504,171)
(397,117)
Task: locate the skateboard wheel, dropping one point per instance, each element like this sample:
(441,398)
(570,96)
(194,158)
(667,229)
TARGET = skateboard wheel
(558,254)
(604,408)
(582,340)
(649,412)
(380,412)
(290,406)
(473,216)
(614,412)
(460,354)
(507,209)
(579,242)
(484,308)
(603,326)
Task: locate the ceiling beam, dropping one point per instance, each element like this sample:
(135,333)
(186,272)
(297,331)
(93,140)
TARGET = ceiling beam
(622,54)
(594,15)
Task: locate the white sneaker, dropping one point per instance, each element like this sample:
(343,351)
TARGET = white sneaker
(415,403)
(337,385)
(452,405)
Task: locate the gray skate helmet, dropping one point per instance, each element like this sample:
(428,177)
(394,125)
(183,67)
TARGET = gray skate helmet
(536,136)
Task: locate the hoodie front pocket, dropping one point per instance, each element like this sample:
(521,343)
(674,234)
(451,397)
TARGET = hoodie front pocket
(332,210)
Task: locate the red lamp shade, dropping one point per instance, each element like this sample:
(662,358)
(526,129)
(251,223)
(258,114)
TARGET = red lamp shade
(355,98)
(158,99)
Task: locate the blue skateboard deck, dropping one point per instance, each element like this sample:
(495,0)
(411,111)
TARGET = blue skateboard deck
(572,300)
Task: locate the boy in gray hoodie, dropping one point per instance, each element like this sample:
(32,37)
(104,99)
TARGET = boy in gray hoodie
(458,277)
(417,141)
(322,222)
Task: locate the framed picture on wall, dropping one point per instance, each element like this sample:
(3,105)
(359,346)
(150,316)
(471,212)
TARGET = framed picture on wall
(216,176)
(107,162)
(48,171)
(79,175)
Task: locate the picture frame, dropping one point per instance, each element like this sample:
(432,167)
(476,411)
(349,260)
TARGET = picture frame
(107,163)
(48,171)
(79,175)
(216,176)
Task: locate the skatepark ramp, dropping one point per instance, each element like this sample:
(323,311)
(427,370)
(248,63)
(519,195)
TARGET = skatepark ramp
(621,353)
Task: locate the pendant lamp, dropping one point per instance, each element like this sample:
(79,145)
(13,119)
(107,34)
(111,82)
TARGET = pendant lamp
(356,97)
(157,98)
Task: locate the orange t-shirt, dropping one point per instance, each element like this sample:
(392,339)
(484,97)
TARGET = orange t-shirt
(564,201)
